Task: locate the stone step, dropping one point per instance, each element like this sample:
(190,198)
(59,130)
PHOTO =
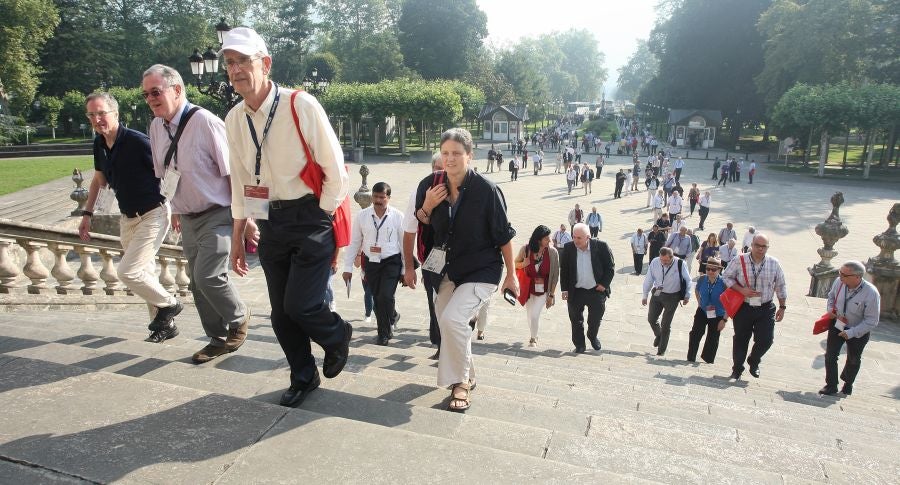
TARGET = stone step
(148,430)
(492,403)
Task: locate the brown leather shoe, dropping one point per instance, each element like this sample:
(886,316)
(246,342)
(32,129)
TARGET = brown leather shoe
(209,353)
(237,336)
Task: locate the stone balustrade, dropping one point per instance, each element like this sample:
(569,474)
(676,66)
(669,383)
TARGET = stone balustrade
(26,251)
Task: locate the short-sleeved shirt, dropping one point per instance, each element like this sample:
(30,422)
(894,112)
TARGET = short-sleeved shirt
(128,167)
(478,229)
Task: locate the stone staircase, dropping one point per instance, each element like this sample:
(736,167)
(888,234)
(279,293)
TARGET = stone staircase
(87,400)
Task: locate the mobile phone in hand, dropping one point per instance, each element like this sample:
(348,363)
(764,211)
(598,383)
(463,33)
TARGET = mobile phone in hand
(509,296)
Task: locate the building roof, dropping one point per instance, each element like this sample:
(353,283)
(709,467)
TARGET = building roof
(681,116)
(514,112)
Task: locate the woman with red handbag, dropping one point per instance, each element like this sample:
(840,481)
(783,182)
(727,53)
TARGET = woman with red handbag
(539,262)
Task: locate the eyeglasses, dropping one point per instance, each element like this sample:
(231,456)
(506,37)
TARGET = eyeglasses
(98,114)
(708,269)
(761,246)
(846,275)
(154,93)
(243,63)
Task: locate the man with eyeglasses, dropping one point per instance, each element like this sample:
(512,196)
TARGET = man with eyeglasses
(855,305)
(122,160)
(190,155)
(273,135)
(759,278)
(667,283)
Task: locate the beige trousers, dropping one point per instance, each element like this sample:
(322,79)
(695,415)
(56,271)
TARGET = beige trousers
(454,307)
(141,238)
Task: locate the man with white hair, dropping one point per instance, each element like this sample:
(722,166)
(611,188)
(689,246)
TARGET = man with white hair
(586,269)
(197,182)
(274,134)
(854,304)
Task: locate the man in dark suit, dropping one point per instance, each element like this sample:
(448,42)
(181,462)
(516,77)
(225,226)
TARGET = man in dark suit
(586,271)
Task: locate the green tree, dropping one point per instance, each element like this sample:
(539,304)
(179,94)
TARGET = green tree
(484,76)
(73,110)
(287,26)
(327,65)
(25,26)
(438,37)
(51,106)
(634,75)
(361,34)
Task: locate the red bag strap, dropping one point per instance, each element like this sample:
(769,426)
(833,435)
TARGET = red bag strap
(744,267)
(840,285)
(306,151)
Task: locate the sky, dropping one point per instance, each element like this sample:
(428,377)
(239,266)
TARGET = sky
(616,24)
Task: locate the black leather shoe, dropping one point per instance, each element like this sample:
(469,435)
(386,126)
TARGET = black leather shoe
(383,340)
(163,334)
(336,359)
(164,316)
(656,341)
(595,343)
(660,353)
(847,389)
(736,375)
(580,350)
(295,394)
(436,356)
(754,371)
(828,391)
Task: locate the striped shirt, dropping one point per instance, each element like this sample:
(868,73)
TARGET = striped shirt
(766,278)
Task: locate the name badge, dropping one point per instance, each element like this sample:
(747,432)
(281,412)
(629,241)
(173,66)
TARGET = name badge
(710,312)
(657,291)
(104,200)
(435,261)
(256,201)
(754,301)
(374,254)
(170,183)
(539,285)
(840,325)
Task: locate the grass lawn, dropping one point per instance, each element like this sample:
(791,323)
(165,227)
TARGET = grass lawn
(21,173)
(59,140)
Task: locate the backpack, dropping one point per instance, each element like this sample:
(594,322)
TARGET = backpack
(682,291)
(695,243)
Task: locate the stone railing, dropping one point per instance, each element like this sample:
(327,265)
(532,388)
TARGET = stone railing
(26,251)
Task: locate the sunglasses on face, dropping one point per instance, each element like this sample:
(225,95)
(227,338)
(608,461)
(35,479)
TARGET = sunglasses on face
(153,93)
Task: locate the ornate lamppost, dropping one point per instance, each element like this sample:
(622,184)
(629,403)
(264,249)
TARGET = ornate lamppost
(314,84)
(205,68)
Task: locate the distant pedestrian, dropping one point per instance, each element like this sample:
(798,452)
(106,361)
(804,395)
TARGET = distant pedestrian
(620,182)
(705,201)
(639,245)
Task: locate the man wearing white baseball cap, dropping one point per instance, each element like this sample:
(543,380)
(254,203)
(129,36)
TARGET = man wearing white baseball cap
(275,135)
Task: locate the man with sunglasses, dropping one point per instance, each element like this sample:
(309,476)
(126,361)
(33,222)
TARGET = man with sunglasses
(759,278)
(855,305)
(122,160)
(190,156)
(273,136)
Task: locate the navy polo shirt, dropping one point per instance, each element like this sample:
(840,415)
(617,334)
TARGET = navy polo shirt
(128,167)
(475,235)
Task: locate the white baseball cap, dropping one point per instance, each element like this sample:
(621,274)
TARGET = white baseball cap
(244,40)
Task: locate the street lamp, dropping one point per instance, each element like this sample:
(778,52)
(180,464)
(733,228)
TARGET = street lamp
(314,84)
(205,68)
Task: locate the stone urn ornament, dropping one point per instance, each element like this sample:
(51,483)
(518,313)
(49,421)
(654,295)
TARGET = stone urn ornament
(80,194)
(831,231)
(363,196)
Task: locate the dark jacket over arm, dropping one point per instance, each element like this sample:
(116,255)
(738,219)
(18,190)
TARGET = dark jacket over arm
(602,263)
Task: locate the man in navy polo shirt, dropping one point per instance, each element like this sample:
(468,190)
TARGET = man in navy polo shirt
(122,159)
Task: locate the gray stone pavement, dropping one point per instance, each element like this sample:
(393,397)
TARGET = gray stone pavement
(103,406)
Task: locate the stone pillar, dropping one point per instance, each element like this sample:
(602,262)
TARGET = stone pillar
(86,272)
(80,194)
(883,270)
(34,268)
(823,274)
(362,196)
(61,269)
(181,277)
(9,270)
(108,272)
(165,277)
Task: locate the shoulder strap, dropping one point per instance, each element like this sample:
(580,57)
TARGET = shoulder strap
(744,267)
(309,157)
(173,147)
(312,174)
(840,285)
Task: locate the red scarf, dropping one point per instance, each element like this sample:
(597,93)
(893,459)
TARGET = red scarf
(543,271)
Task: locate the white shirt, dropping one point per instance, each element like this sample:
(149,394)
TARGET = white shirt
(705,200)
(748,239)
(639,243)
(667,278)
(560,238)
(726,254)
(674,203)
(371,231)
(677,225)
(282,154)
(679,163)
(659,202)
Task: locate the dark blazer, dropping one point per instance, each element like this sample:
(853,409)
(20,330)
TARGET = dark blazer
(602,263)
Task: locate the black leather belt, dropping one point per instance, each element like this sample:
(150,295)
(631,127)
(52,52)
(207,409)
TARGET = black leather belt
(284,204)
(140,212)
(204,211)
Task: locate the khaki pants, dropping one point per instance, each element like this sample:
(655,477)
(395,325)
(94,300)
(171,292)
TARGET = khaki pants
(455,306)
(141,238)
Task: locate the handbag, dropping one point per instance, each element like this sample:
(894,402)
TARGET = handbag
(827,320)
(732,299)
(524,285)
(313,176)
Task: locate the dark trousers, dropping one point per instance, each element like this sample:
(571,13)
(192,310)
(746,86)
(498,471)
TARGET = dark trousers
(757,322)
(514,174)
(638,262)
(704,212)
(434,331)
(382,279)
(702,325)
(295,251)
(665,304)
(368,298)
(595,302)
(618,192)
(833,346)
(594,230)
(723,180)
(693,206)
(750,174)
(678,174)
(715,173)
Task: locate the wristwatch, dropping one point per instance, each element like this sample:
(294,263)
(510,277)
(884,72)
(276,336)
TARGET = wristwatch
(87,213)
(782,307)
